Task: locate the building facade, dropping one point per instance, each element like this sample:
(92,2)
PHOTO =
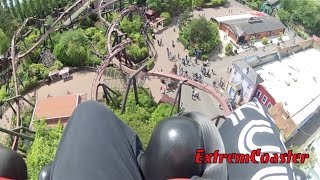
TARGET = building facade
(264,97)
(242,28)
(243,82)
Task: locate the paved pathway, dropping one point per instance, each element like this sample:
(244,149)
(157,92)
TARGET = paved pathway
(219,64)
(80,83)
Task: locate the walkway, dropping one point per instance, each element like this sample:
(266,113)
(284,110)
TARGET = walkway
(80,83)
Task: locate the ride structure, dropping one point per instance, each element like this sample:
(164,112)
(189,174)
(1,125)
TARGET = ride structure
(117,42)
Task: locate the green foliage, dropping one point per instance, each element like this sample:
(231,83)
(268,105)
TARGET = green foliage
(137,50)
(309,162)
(72,48)
(43,148)
(167,17)
(150,64)
(171,6)
(137,53)
(3,94)
(284,16)
(97,38)
(201,34)
(133,26)
(4,42)
(305,13)
(217,2)
(57,65)
(229,49)
(28,42)
(265,40)
(254,4)
(144,116)
(161,112)
(198,3)
(185,17)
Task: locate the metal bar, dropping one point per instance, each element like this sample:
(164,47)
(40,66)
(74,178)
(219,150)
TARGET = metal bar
(15,112)
(124,101)
(24,128)
(14,97)
(135,89)
(174,104)
(13,133)
(31,104)
(179,97)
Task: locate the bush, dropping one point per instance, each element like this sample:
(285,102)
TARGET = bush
(229,49)
(167,17)
(150,64)
(72,49)
(265,41)
(205,57)
(183,41)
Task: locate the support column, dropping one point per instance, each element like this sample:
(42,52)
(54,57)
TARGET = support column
(15,112)
(178,97)
(135,89)
(124,101)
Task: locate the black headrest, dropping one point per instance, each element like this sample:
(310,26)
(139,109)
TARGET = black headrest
(171,150)
(12,165)
(45,172)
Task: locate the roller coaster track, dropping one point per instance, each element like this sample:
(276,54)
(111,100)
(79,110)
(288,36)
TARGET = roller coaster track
(15,58)
(116,21)
(214,92)
(107,60)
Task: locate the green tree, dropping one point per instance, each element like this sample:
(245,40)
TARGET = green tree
(198,3)
(265,40)
(161,112)
(284,16)
(3,93)
(4,42)
(229,49)
(201,34)
(184,17)
(19,9)
(13,9)
(167,17)
(72,48)
(43,148)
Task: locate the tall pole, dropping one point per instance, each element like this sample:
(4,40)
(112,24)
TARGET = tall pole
(135,89)
(124,101)
(178,97)
(16,87)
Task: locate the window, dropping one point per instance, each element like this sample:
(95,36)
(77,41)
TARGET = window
(269,105)
(264,99)
(258,94)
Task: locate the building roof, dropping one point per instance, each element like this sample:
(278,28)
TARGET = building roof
(308,131)
(253,25)
(55,107)
(251,75)
(294,81)
(233,17)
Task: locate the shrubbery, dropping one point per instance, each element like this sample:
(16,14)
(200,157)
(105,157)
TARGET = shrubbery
(229,49)
(201,34)
(265,40)
(167,17)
